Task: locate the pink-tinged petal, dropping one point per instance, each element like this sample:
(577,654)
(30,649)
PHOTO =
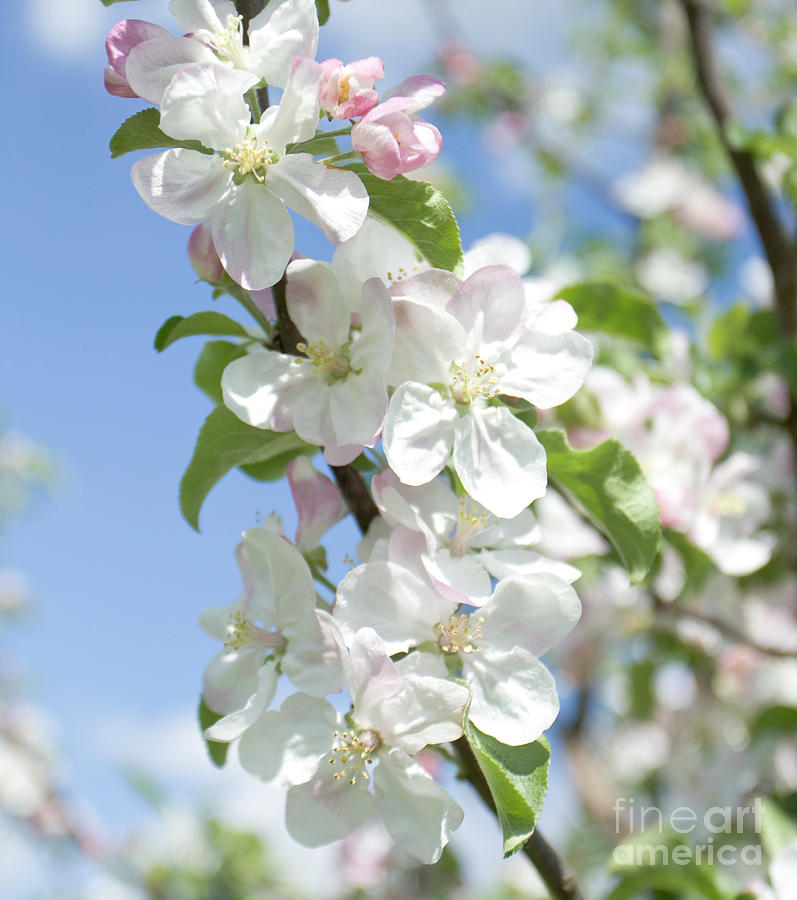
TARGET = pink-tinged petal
(264,301)
(260,387)
(369,69)
(499,460)
(378,147)
(296,117)
(326,809)
(121,40)
(535,612)
(319,504)
(419,432)
(513,695)
(234,724)
(253,235)
(317,304)
(490,306)
(280,33)
(152,64)
(341,455)
(372,675)
(285,746)
(460,579)
(417,813)
(548,369)
(181,185)
(334,199)
(195,15)
(357,106)
(204,102)
(202,255)
(401,608)
(418,92)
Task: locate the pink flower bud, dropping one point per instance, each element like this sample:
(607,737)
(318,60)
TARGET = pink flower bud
(389,140)
(319,504)
(202,255)
(347,91)
(120,41)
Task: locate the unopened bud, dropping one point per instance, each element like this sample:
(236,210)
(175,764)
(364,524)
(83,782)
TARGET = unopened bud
(203,257)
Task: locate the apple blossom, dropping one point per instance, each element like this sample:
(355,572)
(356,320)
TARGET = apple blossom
(397,710)
(459,347)
(454,542)
(144,57)
(513,696)
(389,140)
(272,627)
(319,504)
(335,395)
(348,91)
(203,257)
(243,188)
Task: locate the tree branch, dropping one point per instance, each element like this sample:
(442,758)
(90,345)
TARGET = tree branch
(557,875)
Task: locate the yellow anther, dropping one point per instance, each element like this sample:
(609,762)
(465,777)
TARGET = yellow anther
(252,156)
(457,636)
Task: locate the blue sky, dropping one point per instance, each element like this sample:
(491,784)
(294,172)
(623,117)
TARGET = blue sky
(90,273)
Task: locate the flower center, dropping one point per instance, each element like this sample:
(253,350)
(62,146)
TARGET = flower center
(243,634)
(229,44)
(475,380)
(352,752)
(251,157)
(344,89)
(469,525)
(325,361)
(458,636)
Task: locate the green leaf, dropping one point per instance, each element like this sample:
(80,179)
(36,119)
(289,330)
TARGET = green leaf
(212,361)
(698,566)
(225,442)
(518,780)
(617,311)
(778,830)
(609,484)
(216,749)
(142,132)
(208,322)
(420,212)
(777,719)
(322,8)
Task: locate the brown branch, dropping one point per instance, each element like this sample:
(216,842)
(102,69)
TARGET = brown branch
(557,875)
(778,247)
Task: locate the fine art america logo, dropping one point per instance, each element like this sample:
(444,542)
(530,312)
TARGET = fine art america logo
(719,836)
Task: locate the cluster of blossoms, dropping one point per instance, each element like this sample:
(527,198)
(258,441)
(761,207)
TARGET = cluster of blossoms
(446,618)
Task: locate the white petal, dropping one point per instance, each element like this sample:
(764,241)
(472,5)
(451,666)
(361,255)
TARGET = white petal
(204,102)
(193,15)
(548,369)
(280,33)
(296,117)
(419,432)
(358,407)
(325,809)
(285,746)
(316,303)
(531,611)
(498,249)
(373,677)
(461,579)
(377,250)
(261,387)
(181,185)
(402,609)
(499,460)
(513,695)
(490,305)
(152,64)
(427,340)
(253,235)
(417,813)
(230,679)
(316,664)
(518,561)
(428,711)
(234,724)
(334,199)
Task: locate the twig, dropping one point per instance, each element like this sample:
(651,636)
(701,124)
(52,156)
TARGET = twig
(557,875)
(725,628)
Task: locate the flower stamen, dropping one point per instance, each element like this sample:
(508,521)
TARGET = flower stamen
(353,752)
(242,634)
(458,636)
